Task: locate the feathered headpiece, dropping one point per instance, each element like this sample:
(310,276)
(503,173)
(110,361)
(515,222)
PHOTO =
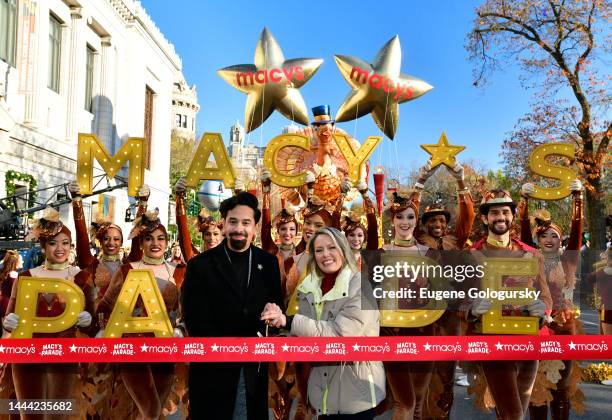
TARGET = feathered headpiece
(317,206)
(205,221)
(146,224)
(48,226)
(286,215)
(351,222)
(99,228)
(402,199)
(541,221)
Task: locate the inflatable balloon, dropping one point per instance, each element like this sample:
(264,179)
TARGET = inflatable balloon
(271,83)
(378,88)
(212,193)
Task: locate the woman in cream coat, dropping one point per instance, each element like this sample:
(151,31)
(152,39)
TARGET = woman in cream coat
(330,305)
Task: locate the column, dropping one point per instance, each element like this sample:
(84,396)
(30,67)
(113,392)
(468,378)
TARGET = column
(31,115)
(104,114)
(75,68)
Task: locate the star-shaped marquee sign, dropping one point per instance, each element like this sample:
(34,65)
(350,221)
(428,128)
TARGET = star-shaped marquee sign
(442,153)
(378,88)
(272,83)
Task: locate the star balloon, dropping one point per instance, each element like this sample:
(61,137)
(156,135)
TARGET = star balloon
(271,83)
(442,153)
(378,88)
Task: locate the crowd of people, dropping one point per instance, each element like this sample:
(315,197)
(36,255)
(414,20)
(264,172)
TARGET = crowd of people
(307,282)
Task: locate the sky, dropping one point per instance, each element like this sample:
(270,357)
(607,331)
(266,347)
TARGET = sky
(209,35)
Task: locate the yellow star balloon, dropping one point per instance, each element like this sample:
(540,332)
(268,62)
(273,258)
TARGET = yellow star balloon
(442,153)
(272,83)
(378,88)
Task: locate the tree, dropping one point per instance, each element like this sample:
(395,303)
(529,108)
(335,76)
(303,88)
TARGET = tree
(181,153)
(558,45)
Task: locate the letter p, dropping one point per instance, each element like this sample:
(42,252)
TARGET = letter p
(27,303)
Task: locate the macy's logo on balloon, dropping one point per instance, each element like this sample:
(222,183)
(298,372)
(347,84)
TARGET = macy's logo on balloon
(380,82)
(274,75)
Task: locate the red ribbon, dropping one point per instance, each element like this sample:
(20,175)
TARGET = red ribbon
(320,349)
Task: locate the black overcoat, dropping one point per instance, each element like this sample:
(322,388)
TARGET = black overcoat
(213,305)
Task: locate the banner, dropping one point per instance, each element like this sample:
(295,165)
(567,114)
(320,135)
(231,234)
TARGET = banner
(316,349)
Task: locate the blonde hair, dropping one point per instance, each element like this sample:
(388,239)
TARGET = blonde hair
(340,241)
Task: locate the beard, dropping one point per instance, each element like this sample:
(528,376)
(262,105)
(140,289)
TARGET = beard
(237,244)
(499,230)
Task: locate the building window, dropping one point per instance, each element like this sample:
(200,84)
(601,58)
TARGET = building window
(8,30)
(89,68)
(181,121)
(55,42)
(148,125)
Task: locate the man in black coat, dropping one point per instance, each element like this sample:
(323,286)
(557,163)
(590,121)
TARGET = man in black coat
(223,295)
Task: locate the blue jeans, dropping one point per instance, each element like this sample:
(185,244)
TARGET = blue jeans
(240,406)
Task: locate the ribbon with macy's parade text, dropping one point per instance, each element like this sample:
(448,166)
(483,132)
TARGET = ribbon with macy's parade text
(319,349)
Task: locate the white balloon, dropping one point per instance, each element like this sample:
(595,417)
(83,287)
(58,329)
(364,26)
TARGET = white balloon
(353,201)
(212,193)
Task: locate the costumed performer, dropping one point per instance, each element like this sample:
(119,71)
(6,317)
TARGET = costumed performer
(560,271)
(208,226)
(510,381)
(354,230)
(148,384)
(51,380)
(435,219)
(408,381)
(11,262)
(110,237)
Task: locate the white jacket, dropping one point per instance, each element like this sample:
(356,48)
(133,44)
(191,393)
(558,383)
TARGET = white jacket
(339,388)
